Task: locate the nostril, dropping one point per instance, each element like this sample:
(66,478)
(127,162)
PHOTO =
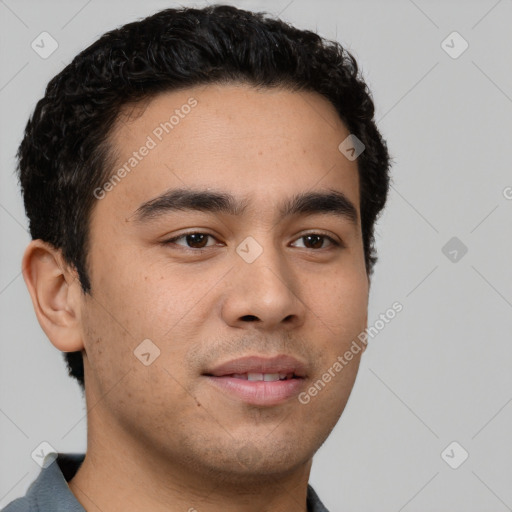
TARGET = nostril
(250,318)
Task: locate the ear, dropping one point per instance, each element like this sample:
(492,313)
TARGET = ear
(55,291)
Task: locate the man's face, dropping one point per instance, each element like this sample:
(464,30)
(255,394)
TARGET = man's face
(250,284)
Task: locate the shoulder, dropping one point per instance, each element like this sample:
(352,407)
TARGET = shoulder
(49,491)
(22,504)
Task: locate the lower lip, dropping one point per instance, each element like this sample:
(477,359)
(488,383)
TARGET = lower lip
(259,392)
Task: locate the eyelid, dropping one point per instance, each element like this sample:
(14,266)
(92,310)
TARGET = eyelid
(182,235)
(332,240)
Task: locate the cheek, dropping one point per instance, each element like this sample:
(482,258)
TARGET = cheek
(108,345)
(119,380)
(332,396)
(340,303)
(138,299)
(340,312)
(138,310)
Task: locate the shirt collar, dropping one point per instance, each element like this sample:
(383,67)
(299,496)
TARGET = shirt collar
(50,490)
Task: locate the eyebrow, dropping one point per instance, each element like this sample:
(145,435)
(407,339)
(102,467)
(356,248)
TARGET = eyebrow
(331,202)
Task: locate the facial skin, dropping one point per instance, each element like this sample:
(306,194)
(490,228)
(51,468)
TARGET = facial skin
(162,436)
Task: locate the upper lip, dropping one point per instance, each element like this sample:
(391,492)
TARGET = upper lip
(260,364)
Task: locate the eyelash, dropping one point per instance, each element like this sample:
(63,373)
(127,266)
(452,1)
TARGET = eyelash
(169,241)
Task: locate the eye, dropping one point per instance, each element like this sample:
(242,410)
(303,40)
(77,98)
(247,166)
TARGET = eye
(194,240)
(197,241)
(317,239)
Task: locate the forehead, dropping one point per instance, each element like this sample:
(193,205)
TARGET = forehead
(262,145)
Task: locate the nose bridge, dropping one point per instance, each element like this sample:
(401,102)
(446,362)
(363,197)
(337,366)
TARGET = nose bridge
(263,285)
(262,262)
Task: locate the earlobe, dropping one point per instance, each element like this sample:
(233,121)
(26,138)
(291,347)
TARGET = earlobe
(55,293)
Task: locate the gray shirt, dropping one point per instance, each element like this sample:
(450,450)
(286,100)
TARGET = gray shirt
(49,492)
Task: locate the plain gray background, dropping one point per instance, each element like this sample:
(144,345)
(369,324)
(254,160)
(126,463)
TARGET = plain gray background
(440,371)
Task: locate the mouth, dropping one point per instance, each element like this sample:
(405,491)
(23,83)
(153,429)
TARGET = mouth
(258,380)
(278,367)
(265,377)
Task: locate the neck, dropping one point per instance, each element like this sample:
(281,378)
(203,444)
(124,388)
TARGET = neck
(119,473)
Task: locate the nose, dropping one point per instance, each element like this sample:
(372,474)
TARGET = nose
(264,294)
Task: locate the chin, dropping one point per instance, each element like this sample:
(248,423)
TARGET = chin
(253,463)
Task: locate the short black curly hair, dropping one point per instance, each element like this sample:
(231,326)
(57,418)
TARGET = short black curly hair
(64,155)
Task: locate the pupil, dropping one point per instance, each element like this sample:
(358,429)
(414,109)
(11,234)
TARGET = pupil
(318,237)
(194,238)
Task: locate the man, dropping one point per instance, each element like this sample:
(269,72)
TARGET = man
(202,187)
